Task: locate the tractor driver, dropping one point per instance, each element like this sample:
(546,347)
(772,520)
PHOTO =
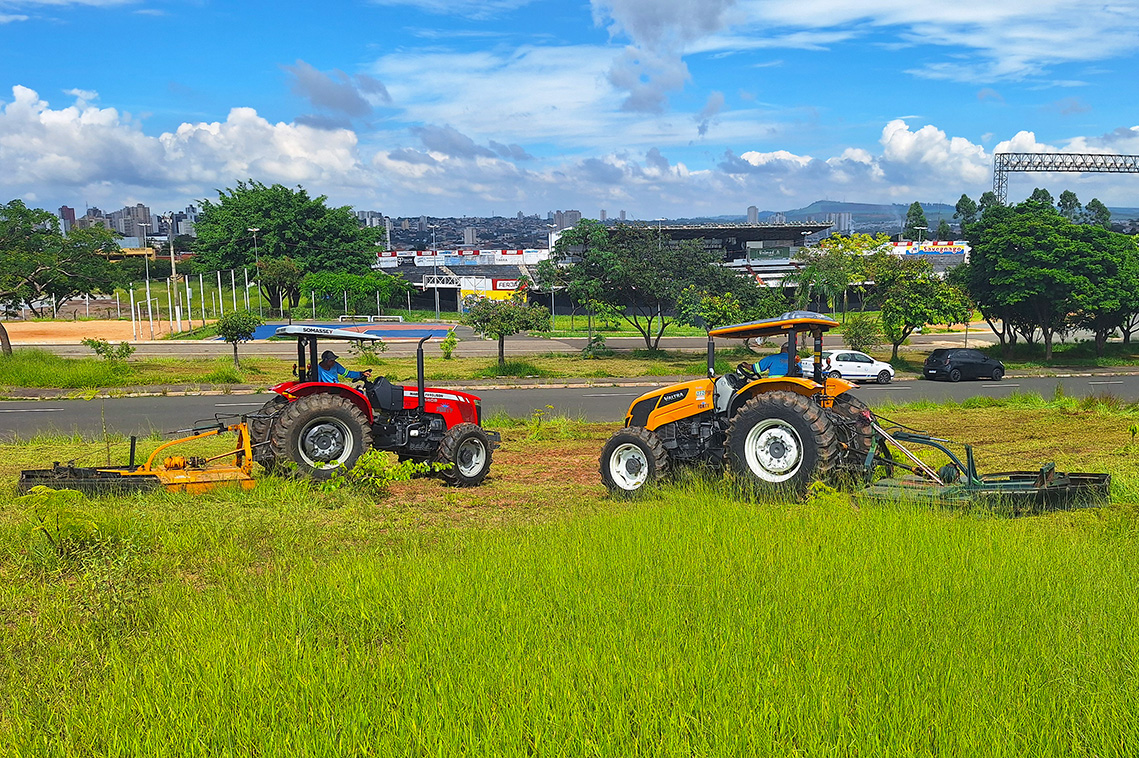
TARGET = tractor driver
(774,364)
(328,370)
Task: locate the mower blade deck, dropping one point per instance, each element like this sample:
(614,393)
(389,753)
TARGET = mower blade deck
(89,481)
(1014,492)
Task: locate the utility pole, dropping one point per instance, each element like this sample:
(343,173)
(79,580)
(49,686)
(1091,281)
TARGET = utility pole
(174,271)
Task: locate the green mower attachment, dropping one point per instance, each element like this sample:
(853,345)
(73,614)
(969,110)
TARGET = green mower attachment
(957,483)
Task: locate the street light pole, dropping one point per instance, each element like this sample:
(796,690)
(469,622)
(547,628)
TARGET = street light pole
(146,264)
(434,262)
(174,272)
(920,229)
(257,268)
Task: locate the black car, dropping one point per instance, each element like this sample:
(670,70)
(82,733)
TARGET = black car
(957,363)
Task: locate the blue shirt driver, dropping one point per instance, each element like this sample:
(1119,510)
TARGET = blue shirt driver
(328,370)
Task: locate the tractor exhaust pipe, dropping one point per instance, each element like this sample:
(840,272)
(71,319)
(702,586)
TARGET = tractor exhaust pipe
(419,370)
(711,357)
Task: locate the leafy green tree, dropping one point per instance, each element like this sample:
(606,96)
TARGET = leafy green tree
(1097,214)
(988,200)
(502,318)
(639,273)
(1021,270)
(238,326)
(330,287)
(944,231)
(915,217)
(910,295)
(1040,196)
(1069,205)
(862,331)
(281,281)
(37,261)
(1106,281)
(822,272)
(289,223)
(966,210)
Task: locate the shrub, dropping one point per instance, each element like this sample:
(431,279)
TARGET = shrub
(448,344)
(107,351)
(862,331)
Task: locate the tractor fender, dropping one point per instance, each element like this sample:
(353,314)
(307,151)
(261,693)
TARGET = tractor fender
(295,390)
(796,384)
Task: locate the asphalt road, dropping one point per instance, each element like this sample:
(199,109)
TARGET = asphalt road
(142,415)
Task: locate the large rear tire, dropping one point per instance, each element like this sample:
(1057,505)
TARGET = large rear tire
(323,434)
(260,431)
(632,460)
(468,449)
(782,441)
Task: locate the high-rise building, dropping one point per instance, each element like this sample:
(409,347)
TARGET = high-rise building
(559,220)
(752,214)
(422,223)
(572,218)
(622,216)
(841,223)
(470,236)
(66,218)
(604,215)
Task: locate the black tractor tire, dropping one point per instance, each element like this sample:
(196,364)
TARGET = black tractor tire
(852,429)
(322,433)
(468,449)
(955,375)
(632,461)
(781,441)
(998,374)
(884,377)
(260,430)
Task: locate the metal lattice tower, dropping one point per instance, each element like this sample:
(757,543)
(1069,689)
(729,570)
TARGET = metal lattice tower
(1092,163)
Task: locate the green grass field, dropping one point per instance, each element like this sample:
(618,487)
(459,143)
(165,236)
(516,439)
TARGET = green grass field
(536,616)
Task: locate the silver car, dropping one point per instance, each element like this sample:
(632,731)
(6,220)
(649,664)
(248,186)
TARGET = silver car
(851,365)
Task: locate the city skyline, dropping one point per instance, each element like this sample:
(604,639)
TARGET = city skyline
(666,109)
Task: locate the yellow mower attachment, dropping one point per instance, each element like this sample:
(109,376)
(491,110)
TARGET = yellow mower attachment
(175,473)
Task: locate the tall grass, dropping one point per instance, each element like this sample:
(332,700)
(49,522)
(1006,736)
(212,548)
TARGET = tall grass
(33,367)
(687,625)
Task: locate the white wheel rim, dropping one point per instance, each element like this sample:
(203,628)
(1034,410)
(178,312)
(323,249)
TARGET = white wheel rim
(773,450)
(325,442)
(470,457)
(629,466)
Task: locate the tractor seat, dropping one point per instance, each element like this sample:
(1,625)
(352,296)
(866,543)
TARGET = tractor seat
(387,396)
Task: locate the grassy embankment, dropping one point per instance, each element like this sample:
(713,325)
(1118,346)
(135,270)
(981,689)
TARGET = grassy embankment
(536,616)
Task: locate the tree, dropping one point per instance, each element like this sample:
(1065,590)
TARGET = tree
(37,261)
(636,271)
(966,211)
(910,295)
(1097,214)
(281,280)
(824,272)
(915,217)
(1041,197)
(289,223)
(988,200)
(363,290)
(502,318)
(1069,205)
(1106,281)
(237,326)
(944,231)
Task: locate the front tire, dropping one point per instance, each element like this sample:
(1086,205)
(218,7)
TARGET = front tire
(884,377)
(782,441)
(834,375)
(323,434)
(632,460)
(998,374)
(468,449)
(955,375)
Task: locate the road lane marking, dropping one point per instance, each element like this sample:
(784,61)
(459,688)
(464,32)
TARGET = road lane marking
(1002,384)
(1105,382)
(31,410)
(614,394)
(233,405)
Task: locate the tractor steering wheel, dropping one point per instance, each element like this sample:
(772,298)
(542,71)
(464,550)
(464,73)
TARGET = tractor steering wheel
(747,371)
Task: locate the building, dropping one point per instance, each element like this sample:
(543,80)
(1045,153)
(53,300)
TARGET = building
(752,214)
(841,223)
(470,236)
(622,215)
(604,215)
(66,218)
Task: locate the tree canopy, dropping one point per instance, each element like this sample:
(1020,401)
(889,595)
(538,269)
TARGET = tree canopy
(289,224)
(502,318)
(915,217)
(640,274)
(362,291)
(37,262)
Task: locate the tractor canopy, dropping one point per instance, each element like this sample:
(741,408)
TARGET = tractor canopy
(324,332)
(793,321)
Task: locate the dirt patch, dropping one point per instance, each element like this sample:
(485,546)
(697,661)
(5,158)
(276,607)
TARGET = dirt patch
(73,332)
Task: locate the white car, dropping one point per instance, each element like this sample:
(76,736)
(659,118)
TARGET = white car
(852,366)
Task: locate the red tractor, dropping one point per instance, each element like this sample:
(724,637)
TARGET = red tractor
(325,427)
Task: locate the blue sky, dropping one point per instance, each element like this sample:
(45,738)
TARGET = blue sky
(658,107)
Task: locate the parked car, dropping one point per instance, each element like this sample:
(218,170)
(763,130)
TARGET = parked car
(957,363)
(851,365)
